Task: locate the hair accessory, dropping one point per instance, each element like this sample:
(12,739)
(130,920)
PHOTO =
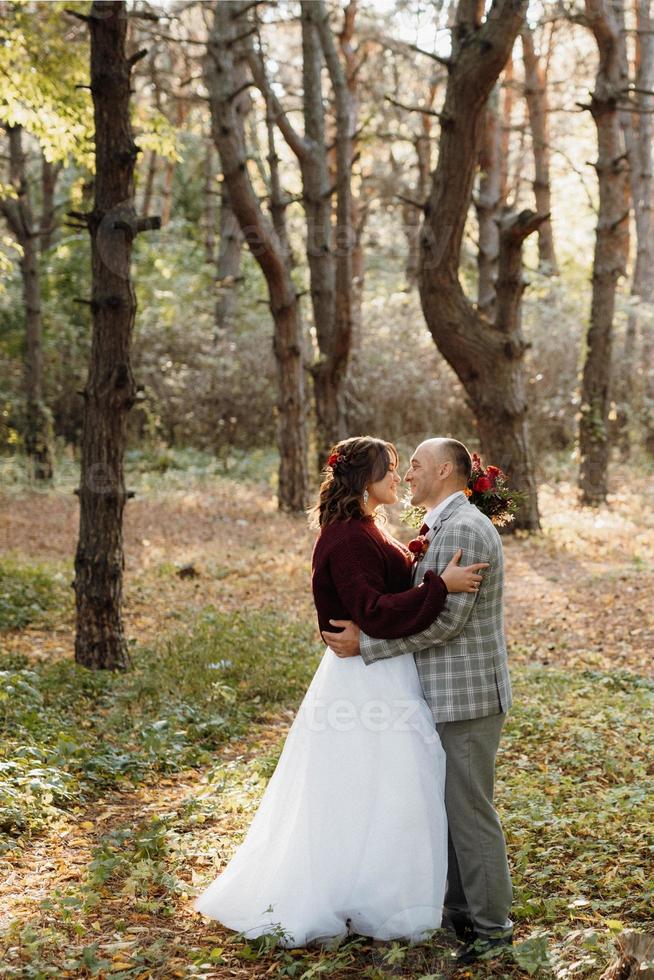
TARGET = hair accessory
(335,459)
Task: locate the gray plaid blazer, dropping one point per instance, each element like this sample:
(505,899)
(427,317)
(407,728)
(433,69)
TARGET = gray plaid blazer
(461,658)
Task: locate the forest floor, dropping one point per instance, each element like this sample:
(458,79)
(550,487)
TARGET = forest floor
(124,795)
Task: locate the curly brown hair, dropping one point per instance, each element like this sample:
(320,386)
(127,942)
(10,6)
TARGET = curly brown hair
(361,460)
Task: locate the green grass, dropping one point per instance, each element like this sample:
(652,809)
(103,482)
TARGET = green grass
(160,468)
(575,791)
(32,595)
(67,735)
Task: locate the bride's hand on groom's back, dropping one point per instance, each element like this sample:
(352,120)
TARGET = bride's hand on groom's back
(345,643)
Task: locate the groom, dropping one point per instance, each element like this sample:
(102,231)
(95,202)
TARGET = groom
(462,663)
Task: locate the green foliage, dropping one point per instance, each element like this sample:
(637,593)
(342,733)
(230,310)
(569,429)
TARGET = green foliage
(577,792)
(30,594)
(44,58)
(68,734)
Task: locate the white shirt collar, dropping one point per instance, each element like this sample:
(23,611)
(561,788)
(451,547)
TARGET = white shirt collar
(431,515)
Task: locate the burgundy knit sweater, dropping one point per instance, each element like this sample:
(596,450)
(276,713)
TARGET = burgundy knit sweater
(360,573)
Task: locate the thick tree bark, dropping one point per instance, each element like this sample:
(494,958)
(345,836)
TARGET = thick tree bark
(537,105)
(228,133)
(488,359)
(110,391)
(20,218)
(611,251)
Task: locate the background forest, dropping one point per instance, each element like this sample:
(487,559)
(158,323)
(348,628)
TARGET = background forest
(203,333)
(398,217)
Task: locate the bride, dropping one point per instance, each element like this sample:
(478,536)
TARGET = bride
(351,833)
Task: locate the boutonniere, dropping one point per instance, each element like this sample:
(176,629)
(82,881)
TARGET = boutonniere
(418,547)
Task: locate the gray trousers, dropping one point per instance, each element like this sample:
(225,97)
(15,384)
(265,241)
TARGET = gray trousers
(478,878)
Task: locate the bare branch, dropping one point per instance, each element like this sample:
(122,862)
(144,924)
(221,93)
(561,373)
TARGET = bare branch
(137,56)
(413,108)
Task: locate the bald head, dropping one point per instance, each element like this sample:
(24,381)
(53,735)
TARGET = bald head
(439,467)
(452,451)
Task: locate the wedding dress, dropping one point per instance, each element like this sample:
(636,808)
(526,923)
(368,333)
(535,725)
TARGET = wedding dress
(351,833)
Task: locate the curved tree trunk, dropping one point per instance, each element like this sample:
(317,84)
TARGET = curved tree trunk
(110,390)
(266,247)
(488,359)
(611,251)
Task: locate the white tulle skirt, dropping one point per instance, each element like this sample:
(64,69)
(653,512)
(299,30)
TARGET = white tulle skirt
(351,833)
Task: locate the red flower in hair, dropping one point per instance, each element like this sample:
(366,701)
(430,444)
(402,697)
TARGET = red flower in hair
(334,459)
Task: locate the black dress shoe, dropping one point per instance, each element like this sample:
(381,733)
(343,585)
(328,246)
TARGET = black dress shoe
(483,948)
(460,925)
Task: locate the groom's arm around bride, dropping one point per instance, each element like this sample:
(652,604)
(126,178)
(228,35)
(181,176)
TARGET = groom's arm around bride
(462,663)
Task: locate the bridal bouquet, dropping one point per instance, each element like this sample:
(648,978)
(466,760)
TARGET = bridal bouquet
(488,489)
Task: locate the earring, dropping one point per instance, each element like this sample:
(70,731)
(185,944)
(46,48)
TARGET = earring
(365,497)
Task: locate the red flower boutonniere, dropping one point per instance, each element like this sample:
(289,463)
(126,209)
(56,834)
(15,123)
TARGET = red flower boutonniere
(418,547)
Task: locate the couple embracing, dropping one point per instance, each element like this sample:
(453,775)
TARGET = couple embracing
(379,817)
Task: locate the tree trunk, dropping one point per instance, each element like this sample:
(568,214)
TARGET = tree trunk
(316,197)
(353,60)
(329,250)
(20,218)
(635,957)
(210,192)
(230,247)
(411,209)
(264,243)
(537,105)
(611,250)
(230,250)
(632,377)
(488,359)
(340,339)
(109,392)
(488,205)
(148,188)
(508,97)
(49,175)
